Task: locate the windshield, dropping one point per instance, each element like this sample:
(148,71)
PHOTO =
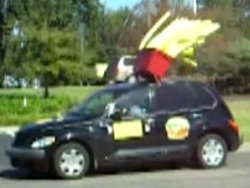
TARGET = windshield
(95,105)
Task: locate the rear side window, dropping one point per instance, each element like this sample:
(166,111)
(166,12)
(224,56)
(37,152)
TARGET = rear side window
(203,97)
(183,97)
(222,105)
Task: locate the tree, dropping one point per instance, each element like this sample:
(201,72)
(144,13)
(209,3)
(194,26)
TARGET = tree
(224,56)
(7,15)
(91,16)
(2,46)
(115,31)
(2,24)
(51,41)
(39,21)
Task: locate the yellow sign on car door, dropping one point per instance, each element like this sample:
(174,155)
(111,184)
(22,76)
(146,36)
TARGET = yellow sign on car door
(127,129)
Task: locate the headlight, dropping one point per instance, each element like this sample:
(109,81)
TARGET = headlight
(43,142)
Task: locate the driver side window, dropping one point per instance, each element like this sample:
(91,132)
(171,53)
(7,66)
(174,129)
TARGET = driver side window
(136,104)
(97,105)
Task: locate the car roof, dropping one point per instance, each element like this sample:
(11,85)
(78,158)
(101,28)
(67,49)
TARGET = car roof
(126,86)
(131,86)
(175,96)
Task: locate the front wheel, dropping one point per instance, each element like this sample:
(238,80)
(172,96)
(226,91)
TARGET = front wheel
(211,151)
(71,161)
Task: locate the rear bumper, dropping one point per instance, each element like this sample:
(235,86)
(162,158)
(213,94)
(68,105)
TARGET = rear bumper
(25,154)
(236,141)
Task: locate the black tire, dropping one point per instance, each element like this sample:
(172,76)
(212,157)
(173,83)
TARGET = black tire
(202,156)
(58,160)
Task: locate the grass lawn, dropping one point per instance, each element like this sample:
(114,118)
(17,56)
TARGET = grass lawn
(74,93)
(65,97)
(240,107)
(14,112)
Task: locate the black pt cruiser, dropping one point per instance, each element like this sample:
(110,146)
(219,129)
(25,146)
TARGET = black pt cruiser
(125,123)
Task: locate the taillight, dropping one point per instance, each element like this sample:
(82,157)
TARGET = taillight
(234,125)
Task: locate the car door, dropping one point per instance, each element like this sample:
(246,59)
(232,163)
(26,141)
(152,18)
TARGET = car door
(170,106)
(131,132)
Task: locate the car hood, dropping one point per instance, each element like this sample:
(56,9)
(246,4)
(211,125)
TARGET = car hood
(55,124)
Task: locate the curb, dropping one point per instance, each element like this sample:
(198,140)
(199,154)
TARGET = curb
(9,130)
(12,131)
(245,147)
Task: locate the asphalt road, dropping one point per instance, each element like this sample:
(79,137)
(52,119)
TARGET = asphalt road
(235,174)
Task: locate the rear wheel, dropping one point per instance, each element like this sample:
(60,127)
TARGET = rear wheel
(71,161)
(211,151)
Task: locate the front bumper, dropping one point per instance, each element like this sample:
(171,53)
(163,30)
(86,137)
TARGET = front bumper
(26,154)
(30,159)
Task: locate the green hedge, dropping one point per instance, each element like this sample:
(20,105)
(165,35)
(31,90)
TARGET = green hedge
(13,111)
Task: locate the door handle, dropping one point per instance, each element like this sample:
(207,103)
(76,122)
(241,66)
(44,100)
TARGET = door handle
(149,124)
(107,125)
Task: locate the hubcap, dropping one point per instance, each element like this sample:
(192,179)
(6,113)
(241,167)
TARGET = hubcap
(72,162)
(213,152)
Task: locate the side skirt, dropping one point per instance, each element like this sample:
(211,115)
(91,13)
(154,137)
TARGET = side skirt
(163,152)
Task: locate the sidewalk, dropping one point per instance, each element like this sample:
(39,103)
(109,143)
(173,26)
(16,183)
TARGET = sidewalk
(12,130)
(245,147)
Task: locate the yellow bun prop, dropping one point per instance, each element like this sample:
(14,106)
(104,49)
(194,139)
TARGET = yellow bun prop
(179,38)
(181,34)
(189,52)
(151,32)
(190,62)
(168,35)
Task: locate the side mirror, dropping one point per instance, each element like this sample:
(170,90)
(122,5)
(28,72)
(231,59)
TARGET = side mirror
(116,115)
(112,112)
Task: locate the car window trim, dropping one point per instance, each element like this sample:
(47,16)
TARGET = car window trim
(190,110)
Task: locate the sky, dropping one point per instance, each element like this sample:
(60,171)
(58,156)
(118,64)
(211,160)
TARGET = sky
(116,4)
